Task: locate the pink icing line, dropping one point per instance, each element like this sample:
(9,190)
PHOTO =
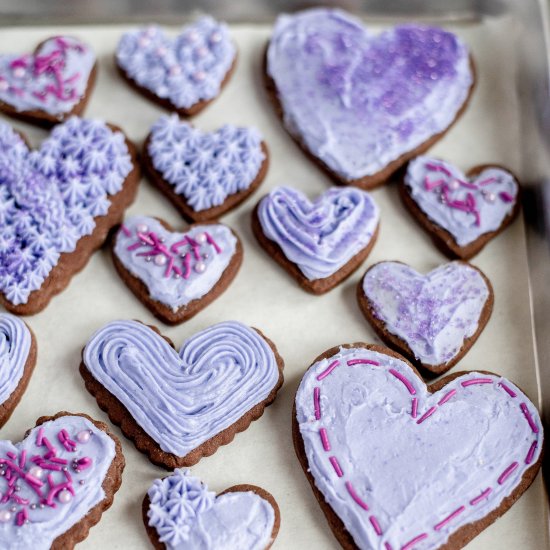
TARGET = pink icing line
(336,466)
(427,414)
(449,518)
(507,389)
(404,380)
(324,439)
(507,473)
(506,197)
(328,370)
(446,397)
(483,495)
(353,362)
(531,453)
(414,541)
(355,496)
(414,411)
(376,525)
(474,381)
(316,403)
(529,418)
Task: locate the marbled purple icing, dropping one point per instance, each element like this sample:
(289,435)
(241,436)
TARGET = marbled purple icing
(359,101)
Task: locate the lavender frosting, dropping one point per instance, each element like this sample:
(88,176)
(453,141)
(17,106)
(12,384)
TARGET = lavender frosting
(47,522)
(357,100)
(183,399)
(320,236)
(415,466)
(434,313)
(205,168)
(187,516)
(198,268)
(53,80)
(184,70)
(49,198)
(465,208)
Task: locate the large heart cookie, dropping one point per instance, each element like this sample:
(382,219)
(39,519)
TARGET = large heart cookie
(57,482)
(182,74)
(180,512)
(57,205)
(179,407)
(319,242)
(204,174)
(461,212)
(17,361)
(362,104)
(433,319)
(176,274)
(51,84)
(395,464)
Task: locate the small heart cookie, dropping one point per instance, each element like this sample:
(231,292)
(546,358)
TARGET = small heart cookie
(204,174)
(320,242)
(433,319)
(174,274)
(49,85)
(182,74)
(462,213)
(179,512)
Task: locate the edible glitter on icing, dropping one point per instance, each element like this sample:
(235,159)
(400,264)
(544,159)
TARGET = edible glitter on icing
(468,450)
(50,197)
(186,69)
(322,235)
(465,208)
(433,313)
(53,80)
(205,168)
(359,101)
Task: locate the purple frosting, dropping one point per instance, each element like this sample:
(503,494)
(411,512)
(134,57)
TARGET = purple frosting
(49,198)
(359,101)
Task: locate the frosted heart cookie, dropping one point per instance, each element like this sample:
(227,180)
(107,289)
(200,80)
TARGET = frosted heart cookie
(180,406)
(176,274)
(319,242)
(396,464)
(49,85)
(462,213)
(432,319)
(57,482)
(180,512)
(17,361)
(204,174)
(361,104)
(57,205)
(182,74)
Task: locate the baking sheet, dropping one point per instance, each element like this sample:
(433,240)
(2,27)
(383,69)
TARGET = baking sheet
(263,295)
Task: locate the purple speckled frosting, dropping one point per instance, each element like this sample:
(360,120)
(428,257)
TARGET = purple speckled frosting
(359,101)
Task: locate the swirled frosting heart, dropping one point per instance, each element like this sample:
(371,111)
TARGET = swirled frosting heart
(179,512)
(461,212)
(51,84)
(184,73)
(320,242)
(433,319)
(204,174)
(398,465)
(178,407)
(363,104)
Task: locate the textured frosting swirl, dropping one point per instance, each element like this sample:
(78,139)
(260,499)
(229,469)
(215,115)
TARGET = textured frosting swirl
(188,516)
(320,236)
(433,313)
(359,101)
(183,399)
(50,197)
(405,468)
(185,70)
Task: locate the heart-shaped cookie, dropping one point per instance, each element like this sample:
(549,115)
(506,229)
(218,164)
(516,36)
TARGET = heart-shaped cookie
(462,213)
(182,74)
(398,464)
(204,174)
(49,85)
(362,104)
(17,361)
(319,242)
(174,274)
(180,512)
(433,319)
(57,482)
(57,205)
(179,407)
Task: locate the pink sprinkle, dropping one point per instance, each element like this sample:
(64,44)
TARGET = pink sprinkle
(56,460)
(529,418)
(145,238)
(211,241)
(402,379)
(19,62)
(40,437)
(23,459)
(50,447)
(83,463)
(187,265)
(487,181)
(507,473)
(353,362)
(11,455)
(328,370)
(479,498)
(446,397)
(22,517)
(506,197)
(376,525)
(175,246)
(316,403)
(355,496)
(134,246)
(177,270)
(429,185)
(427,414)
(531,453)
(438,168)
(449,518)
(324,439)
(125,230)
(507,389)
(475,381)
(387,546)
(336,466)
(414,411)
(414,541)
(169,267)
